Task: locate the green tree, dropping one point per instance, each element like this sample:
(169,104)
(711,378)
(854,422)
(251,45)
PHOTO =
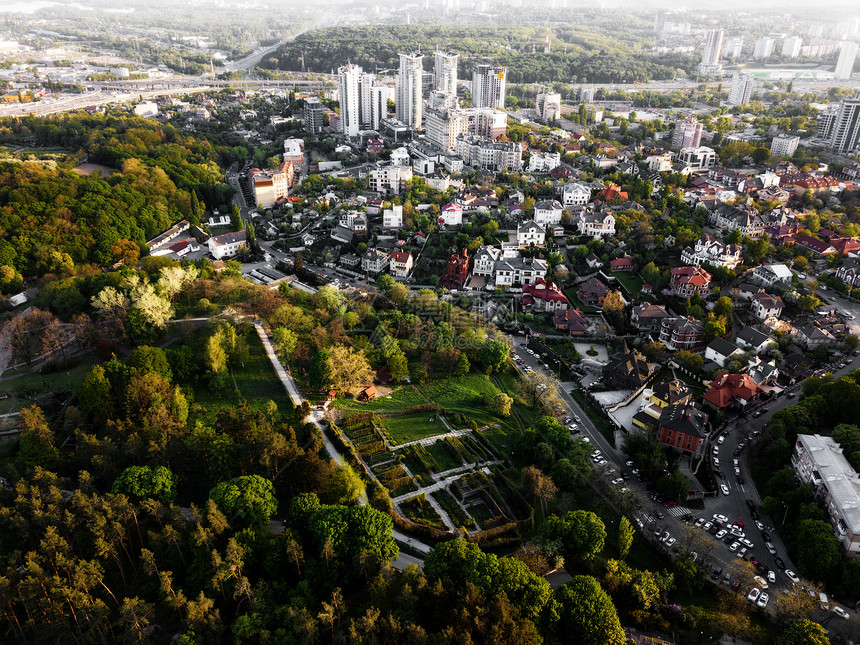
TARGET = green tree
(37,441)
(625,537)
(149,360)
(587,615)
(248,500)
(349,370)
(286,341)
(582,533)
(818,552)
(494,355)
(804,632)
(723,307)
(690,360)
(143,482)
(502,405)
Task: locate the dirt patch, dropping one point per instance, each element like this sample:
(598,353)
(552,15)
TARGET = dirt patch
(87,168)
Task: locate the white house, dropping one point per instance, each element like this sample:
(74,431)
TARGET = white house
(392,217)
(772,274)
(765,305)
(531,234)
(548,212)
(400,157)
(721,351)
(374,261)
(709,250)
(401,264)
(596,224)
(517,271)
(451,215)
(484,260)
(227,245)
(575,194)
(698,159)
(544,161)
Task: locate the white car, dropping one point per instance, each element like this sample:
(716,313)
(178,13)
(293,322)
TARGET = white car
(724,488)
(670,542)
(734,547)
(754,593)
(707,526)
(722,519)
(721,439)
(791,575)
(762,600)
(741,552)
(618,482)
(840,612)
(735,462)
(761,582)
(759,525)
(771,577)
(716,462)
(746,543)
(721,534)
(737,472)
(700,521)
(770,548)
(716,450)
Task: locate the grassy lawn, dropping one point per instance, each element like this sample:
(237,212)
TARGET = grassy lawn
(570,292)
(632,283)
(443,456)
(419,510)
(21,386)
(464,395)
(403,397)
(412,427)
(256,381)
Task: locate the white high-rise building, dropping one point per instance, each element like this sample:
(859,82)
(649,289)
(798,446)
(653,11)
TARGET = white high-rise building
(488,86)
(783,145)
(378,105)
(548,106)
(365,97)
(791,46)
(763,48)
(688,133)
(350,99)
(409,88)
(734,47)
(711,54)
(845,64)
(846,127)
(741,90)
(445,68)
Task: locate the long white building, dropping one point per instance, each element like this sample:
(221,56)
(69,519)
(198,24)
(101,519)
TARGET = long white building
(348,77)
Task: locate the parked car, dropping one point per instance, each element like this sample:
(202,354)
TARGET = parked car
(754,593)
(840,612)
(724,488)
(722,533)
(762,600)
(734,547)
(761,582)
(721,439)
(759,525)
(700,521)
(722,519)
(770,548)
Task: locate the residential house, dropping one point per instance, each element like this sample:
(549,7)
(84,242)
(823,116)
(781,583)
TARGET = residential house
(684,332)
(683,427)
(720,351)
(592,261)
(849,273)
(688,281)
(765,305)
(575,193)
(821,461)
(845,245)
(392,218)
(592,292)
(763,372)
(227,245)
(812,336)
(451,215)
(530,233)
(772,275)
(548,212)
(484,261)
(400,264)
(368,394)
(595,224)
(542,297)
(742,217)
(374,261)
(571,320)
(728,390)
(613,191)
(519,271)
(627,370)
(752,338)
(818,247)
(710,250)
(621,264)
(669,392)
(648,317)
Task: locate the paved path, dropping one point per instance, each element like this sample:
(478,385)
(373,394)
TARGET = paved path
(429,441)
(404,560)
(442,483)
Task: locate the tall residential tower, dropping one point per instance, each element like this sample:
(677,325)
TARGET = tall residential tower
(488,86)
(446,71)
(711,54)
(409,89)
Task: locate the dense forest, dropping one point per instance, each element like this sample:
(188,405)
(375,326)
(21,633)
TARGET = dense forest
(52,221)
(580,54)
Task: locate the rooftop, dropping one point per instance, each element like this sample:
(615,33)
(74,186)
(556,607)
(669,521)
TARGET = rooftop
(838,476)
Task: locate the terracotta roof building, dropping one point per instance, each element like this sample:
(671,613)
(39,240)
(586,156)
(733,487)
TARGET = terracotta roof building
(688,281)
(728,390)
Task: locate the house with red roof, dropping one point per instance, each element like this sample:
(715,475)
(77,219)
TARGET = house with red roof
(727,390)
(541,296)
(688,281)
(612,191)
(400,264)
(845,245)
(621,264)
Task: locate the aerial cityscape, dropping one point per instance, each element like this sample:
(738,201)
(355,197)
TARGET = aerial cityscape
(447,322)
